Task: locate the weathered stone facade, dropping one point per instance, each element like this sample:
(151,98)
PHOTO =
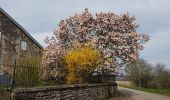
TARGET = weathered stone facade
(67,92)
(11,37)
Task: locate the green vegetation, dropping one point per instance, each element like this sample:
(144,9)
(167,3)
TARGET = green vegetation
(28,72)
(143,74)
(4,88)
(152,90)
(27,77)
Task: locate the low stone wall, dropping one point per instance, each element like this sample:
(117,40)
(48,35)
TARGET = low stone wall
(67,92)
(5,95)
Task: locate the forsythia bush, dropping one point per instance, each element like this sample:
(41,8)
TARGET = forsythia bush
(81,61)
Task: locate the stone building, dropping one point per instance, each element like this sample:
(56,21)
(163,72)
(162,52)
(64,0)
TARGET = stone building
(15,41)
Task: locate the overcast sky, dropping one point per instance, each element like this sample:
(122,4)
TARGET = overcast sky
(40,19)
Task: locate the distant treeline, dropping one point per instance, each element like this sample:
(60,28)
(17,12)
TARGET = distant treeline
(143,74)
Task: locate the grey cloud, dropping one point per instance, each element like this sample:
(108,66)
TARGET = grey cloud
(157,50)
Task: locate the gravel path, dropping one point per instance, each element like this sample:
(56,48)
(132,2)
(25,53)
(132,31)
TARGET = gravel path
(130,94)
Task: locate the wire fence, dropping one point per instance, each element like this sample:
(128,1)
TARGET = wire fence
(25,75)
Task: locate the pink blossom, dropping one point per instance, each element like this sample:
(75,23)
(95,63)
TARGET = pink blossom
(114,35)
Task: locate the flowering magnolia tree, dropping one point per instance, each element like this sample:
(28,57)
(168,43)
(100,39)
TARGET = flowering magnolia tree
(115,36)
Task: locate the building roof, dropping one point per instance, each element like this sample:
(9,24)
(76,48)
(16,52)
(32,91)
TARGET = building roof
(19,26)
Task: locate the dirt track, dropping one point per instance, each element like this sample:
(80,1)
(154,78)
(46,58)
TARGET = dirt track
(130,94)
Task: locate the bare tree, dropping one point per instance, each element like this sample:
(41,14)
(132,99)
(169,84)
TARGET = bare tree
(139,72)
(162,75)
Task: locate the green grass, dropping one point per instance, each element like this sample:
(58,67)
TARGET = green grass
(4,88)
(151,90)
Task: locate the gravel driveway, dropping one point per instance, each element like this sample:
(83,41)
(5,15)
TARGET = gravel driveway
(130,94)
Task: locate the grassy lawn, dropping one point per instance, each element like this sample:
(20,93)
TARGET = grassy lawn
(157,91)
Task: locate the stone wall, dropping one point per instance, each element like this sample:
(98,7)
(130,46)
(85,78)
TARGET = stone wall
(67,92)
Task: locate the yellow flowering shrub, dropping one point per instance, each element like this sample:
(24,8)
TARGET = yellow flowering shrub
(81,61)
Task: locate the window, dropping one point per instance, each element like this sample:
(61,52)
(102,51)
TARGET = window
(0,38)
(0,35)
(1,22)
(1,70)
(23,45)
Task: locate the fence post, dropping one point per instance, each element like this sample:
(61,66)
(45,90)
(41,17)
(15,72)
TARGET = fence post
(13,79)
(13,76)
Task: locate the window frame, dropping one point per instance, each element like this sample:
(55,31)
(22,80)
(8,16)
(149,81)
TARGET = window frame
(1,38)
(23,47)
